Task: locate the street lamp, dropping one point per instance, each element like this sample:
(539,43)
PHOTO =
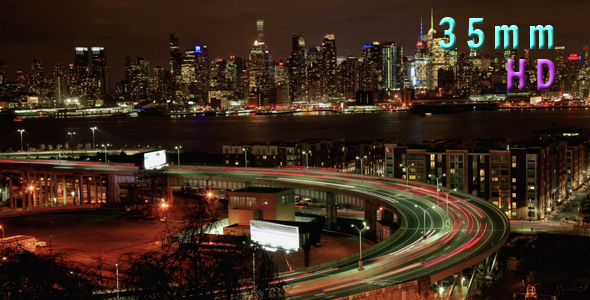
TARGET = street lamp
(360,243)
(105,152)
(117,266)
(362,170)
(93,144)
(437,178)
(448,213)
(21,139)
(2,231)
(245,158)
(424,230)
(407,177)
(178,151)
(307,161)
(71,135)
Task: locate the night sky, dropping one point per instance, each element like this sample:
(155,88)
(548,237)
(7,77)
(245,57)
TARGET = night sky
(50,30)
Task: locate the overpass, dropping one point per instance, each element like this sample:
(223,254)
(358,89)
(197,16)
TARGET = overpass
(463,239)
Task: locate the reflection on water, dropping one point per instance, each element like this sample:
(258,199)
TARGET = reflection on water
(208,133)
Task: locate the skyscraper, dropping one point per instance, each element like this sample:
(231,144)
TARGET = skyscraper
(60,82)
(201,71)
(259,80)
(257,73)
(99,70)
(37,78)
(175,59)
(188,67)
(296,67)
(82,63)
(329,65)
(392,67)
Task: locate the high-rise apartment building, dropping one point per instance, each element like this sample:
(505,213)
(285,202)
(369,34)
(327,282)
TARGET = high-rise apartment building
(297,67)
(328,66)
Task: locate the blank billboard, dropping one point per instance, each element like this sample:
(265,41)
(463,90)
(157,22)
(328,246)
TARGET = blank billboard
(275,235)
(154,159)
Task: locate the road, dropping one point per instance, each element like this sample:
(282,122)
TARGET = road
(469,228)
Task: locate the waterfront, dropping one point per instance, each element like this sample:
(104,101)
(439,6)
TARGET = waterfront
(207,133)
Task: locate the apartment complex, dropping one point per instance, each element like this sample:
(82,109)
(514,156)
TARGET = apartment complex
(525,179)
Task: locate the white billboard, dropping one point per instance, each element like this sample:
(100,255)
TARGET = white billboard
(275,235)
(154,159)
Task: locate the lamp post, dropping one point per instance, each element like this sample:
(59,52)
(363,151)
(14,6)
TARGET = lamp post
(360,243)
(71,135)
(21,139)
(93,144)
(448,213)
(105,152)
(437,178)
(424,210)
(245,158)
(307,161)
(178,151)
(117,266)
(2,231)
(407,177)
(362,170)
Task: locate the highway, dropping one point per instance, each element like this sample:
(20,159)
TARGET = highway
(471,227)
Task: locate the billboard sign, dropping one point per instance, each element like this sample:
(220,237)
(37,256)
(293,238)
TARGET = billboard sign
(154,160)
(275,235)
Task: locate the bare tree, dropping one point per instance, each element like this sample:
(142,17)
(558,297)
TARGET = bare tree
(195,265)
(26,275)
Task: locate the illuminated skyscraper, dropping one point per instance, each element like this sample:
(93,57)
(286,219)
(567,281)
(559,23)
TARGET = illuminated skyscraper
(392,67)
(258,77)
(259,80)
(312,82)
(80,73)
(82,63)
(560,60)
(296,67)
(371,68)
(348,79)
(234,68)
(188,67)
(202,68)
(585,56)
(37,78)
(175,59)
(329,65)
(60,83)
(280,73)
(100,70)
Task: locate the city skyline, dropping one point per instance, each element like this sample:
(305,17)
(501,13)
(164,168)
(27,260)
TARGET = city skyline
(354,24)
